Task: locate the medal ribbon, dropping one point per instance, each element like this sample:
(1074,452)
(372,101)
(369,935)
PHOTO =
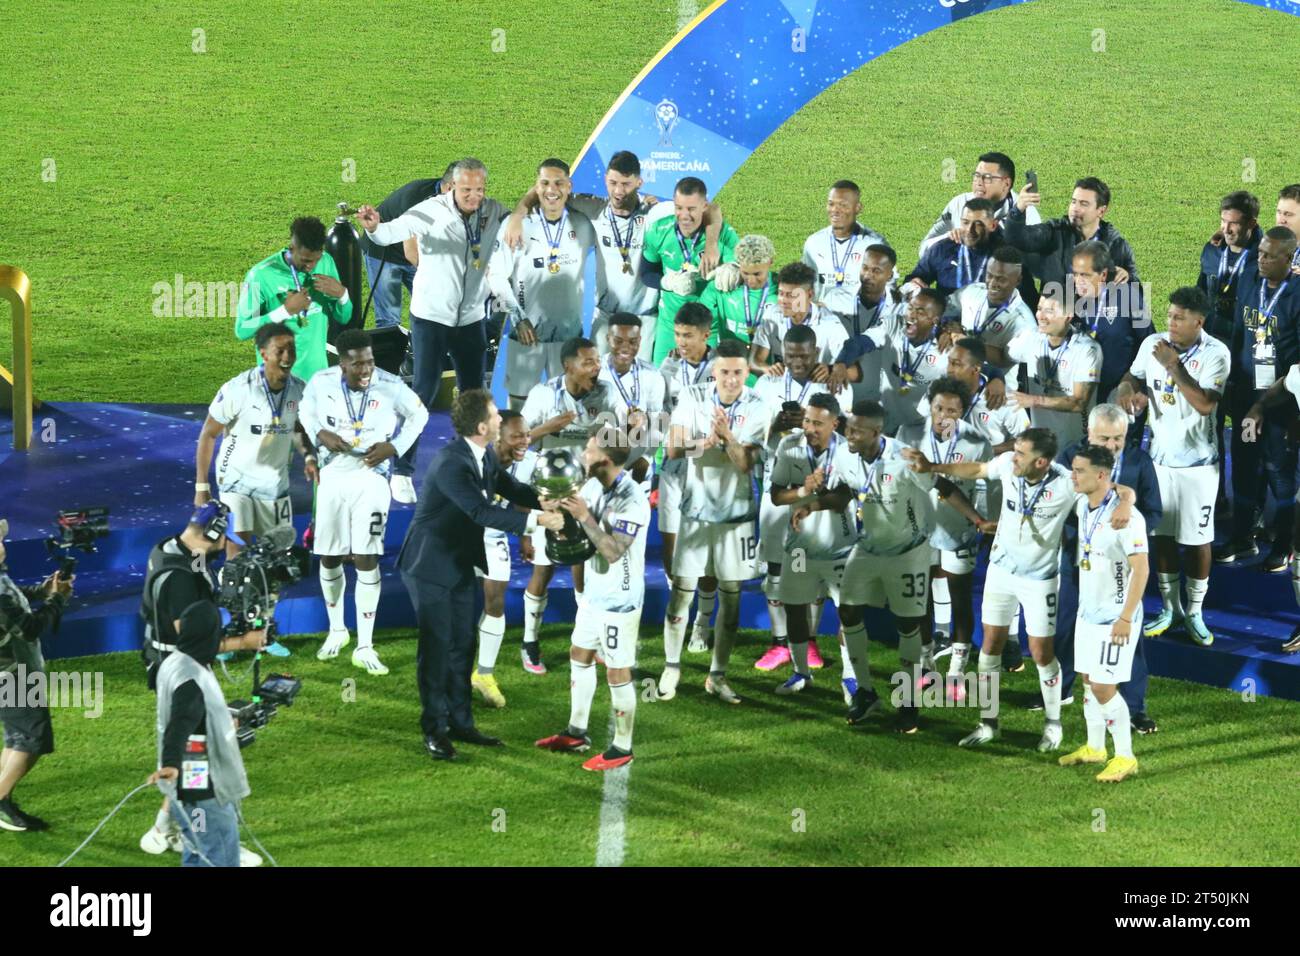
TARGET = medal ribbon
(624,243)
(276,410)
(789,383)
(688,254)
(553,257)
(752,320)
(838,265)
(358,418)
(635,400)
(1095,523)
(1226,284)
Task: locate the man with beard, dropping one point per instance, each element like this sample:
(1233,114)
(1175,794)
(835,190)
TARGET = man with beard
(952,264)
(993,178)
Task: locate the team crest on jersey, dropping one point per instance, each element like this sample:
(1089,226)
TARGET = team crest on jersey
(374,403)
(996,327)
(292,405)
(984,416)
(573,234)
(1047,494)
(886,478)
(1194,364)
(931,359)
(640,220)
(957,456)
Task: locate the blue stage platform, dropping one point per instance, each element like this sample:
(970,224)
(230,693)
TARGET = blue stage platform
(137,460)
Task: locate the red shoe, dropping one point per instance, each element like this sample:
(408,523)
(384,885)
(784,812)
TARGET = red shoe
(611,759)
(776,656)
(814,656)
(654,498)
(565,743)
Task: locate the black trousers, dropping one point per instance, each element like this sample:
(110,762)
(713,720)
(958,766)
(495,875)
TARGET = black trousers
(431,345)
(445,657)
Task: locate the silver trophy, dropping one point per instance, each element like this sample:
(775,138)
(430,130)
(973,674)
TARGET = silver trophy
(559,474)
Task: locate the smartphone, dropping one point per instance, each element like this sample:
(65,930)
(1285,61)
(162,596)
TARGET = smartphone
(1031,180)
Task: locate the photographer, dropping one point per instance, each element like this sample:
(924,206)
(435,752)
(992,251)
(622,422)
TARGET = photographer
(28,733)
(178,575)
(198,753)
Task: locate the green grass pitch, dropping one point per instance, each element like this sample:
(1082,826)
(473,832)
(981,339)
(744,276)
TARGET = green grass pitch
(169,161)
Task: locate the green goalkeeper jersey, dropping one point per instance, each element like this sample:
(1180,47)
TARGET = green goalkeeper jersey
(662,245)
(736,313)
(266,287)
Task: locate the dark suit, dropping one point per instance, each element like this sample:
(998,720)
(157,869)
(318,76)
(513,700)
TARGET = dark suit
(443,546)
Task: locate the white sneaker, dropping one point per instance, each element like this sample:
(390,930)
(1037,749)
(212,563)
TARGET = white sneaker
(720,689)
(668,681)
(403,489)
(365,657)
(699,643)
(1051,739)
(157,841)
(248,858)
(333,644)
(979,736)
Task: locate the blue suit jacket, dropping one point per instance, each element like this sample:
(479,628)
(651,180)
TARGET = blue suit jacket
(444,543)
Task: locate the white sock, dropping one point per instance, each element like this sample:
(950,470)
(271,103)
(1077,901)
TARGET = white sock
(332,583)
(799,657)
(1295,576)
(1196,588)
(582,689)
(491,630)
(957,662)
(724,632)
(1095,721)
(927,656)
(366,596)
(1049,679)
(989,669)
(623,697)
(704,609)
(815,616)
(1115,712)
(942,605)
(848,671)
(163,821)
(775,609)
(679,605)
(856,649)
(1171,597)
(534,608)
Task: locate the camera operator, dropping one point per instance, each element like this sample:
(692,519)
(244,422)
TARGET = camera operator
(198,752)
(28,733)
(177,575)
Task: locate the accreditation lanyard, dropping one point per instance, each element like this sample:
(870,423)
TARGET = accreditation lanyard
(1054,361)
(633,400)
(688,251)
(1265,330)
(1226,277)
(970,409)
(789,386)
(827,454)
(1093,522)
(752,320)
(965,274)
(357,415)
(1099,312)
(1114,471)
(624,243)
(276,410)
(983,320)
(553,242)
(840,266)
(1027,510)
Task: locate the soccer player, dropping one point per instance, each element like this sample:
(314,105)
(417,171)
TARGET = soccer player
(362,417)
(638,388)
(911,359)
(837,253)
(614,513)
(1115,314)
(736,313)
(718,428)
(795,305)
(1112,576)
(952,264)
(540,284)
(879,305)
(1024,564)
(1064,367)
(890,561)
(785,398)
(817,552)
(673,260)
(993,178)
(561,413)
(519,460)
(993,310)
(456,231)
(947,436)
(1053,241)
(1264,342)
(1179,377)
(300,287)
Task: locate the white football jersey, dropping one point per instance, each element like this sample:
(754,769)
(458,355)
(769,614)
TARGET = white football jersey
(386,411)
(521,471)
(895,513)
(995,325)
(624,508)
(1028,539)
(549,293)
(715,490)
(1103,583)
(257,447)
(773,391)
(906,371)
(838,264)
(641,387)
(772,326)
(680,375)
(997,426)
(823,535)
(1055,372)
(951,529)
(548,399)
(618,284)
(1180,435)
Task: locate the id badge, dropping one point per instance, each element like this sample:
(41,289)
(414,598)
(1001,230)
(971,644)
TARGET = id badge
(1265,368)
(194,774)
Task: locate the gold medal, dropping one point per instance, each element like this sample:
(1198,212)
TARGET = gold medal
(356,442)
(1168,398)
(627,268)
(1085,565)
(839,278)
(553,268)
(1261,334)
(478,264)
